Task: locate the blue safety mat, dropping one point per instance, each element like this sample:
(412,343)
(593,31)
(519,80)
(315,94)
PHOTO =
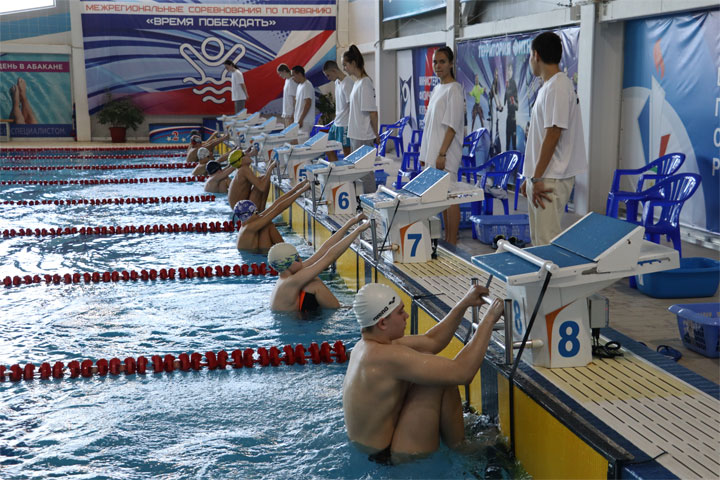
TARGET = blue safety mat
(593,235)
(423,182)
(506,264)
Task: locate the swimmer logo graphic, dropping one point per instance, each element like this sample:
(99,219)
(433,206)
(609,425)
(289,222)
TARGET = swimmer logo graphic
(189,53)
(666,108)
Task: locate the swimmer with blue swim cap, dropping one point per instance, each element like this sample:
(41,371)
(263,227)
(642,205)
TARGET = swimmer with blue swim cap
(243,210)
(298,287)
(398,394)
(258,233)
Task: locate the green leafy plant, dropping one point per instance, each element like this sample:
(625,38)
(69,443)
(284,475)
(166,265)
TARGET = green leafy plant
(326,106)
(121,112)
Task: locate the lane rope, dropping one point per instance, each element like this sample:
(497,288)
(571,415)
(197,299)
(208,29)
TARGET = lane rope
(109,181)
(288,355)
(181,273)
(138,166)
(114,201)
(87,156)
(198,227)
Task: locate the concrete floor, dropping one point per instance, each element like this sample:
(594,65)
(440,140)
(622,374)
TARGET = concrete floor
(634,314)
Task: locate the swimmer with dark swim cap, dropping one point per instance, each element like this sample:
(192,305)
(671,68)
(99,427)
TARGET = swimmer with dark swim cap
(298,286)
(246,185)
(258,233)
(399,397)
(218,181)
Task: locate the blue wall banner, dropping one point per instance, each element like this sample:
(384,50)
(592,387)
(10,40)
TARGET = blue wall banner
(671,102)
(35,94)
(500,87)
(179,69)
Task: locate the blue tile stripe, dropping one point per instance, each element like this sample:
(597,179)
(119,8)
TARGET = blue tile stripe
(36,26)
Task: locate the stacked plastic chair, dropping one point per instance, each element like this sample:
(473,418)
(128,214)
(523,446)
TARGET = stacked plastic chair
(498,169)
(658,169)
(386,134)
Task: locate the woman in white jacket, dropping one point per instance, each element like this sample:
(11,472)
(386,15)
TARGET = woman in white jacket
(442,138)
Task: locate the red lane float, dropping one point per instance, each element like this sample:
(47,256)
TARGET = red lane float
(199,227)
(323,353)
(109,181)
(93,149)
(145,275)
(90,156)
(115,201)
(101,167)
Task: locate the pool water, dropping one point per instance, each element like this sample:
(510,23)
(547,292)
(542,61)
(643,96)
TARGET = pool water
(274,422)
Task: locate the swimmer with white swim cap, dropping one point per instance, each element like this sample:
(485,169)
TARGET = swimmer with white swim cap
(246,185)
(258,233)
(298,287)
(399,397)
(196,153)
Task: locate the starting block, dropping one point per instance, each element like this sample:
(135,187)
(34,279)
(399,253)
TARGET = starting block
(405,214)
(228,120)
(267,142)
(587,257)
(337,179)
(241,134)
(292,159)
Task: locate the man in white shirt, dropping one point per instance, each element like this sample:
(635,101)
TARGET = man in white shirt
(343,89)
(555,150)
(304,103)
(289,90)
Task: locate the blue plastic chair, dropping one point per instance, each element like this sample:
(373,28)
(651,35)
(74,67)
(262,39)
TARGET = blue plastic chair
(668,195)
(386,134)
(499,168)
(468,162)
(321,128)
(409,168)
(658,169)
(415,141)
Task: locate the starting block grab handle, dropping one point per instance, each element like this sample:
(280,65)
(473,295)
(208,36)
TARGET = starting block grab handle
(505,246)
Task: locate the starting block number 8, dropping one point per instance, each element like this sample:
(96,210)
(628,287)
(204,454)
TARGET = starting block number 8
(517,316)
(569,344)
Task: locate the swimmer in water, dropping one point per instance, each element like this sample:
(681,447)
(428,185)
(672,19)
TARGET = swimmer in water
(218,181)
(298,287)
(246,185)
(196,144)
(399,397)
(258,233)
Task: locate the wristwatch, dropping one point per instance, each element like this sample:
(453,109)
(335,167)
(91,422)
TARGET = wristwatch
(535,180)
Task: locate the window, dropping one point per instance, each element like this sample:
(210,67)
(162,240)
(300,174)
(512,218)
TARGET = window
(7,6)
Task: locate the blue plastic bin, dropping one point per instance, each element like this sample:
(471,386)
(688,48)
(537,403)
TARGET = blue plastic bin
(699,325)
(486,227)
(697,277)
(380,177)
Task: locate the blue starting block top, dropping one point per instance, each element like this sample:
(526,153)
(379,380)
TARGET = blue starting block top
(314,139)
(593,235)
(377,198)
(359,154)
(267,122)
(581,244)
(506,264)
(284,131)
(424,181)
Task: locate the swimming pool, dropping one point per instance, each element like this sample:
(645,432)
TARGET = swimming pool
(246,423)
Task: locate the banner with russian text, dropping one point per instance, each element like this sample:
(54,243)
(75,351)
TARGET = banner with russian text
(424,79)
(35,94)
(500,89)
(671,103)
(168,56)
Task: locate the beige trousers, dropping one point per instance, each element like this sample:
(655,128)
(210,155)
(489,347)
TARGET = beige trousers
(545,223)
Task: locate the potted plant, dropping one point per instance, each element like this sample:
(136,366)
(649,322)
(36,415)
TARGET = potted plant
(326,106)
(120,114)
